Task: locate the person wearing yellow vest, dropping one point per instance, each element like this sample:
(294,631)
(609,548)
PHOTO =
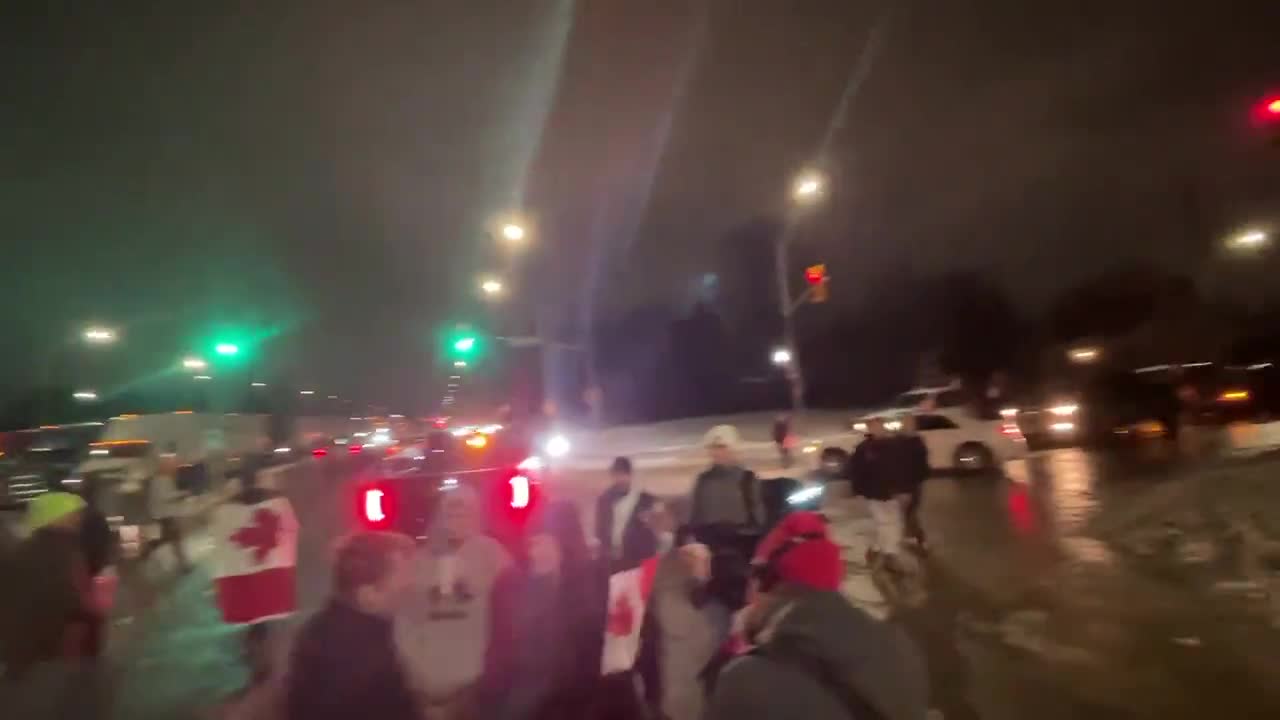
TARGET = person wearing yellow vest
(48,610)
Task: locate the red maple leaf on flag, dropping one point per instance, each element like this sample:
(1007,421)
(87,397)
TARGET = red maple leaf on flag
(621,617)
(261,535)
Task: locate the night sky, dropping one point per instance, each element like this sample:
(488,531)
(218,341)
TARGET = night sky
(332,173)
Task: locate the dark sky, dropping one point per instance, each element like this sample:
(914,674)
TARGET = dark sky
(332,172)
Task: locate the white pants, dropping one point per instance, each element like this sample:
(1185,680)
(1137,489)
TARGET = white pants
(887,516)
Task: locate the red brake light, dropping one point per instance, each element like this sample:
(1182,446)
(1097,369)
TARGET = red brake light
(319,452)
(354,449)
(377,507)
(1011,430)
(521,490)
(519,498)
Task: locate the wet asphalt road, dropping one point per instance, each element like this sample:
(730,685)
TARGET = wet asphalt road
(1077,584)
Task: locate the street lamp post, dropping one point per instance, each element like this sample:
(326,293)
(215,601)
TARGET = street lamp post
(808,187)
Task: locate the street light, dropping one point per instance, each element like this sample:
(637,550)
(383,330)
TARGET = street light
(808,187)
(459,363)
(99,335)
(1248,240)
(781,356)
(1083,355)
(85,395)
(306,392)
(194,363)
(201,377)
(513,232)
(491,287)
(257,384)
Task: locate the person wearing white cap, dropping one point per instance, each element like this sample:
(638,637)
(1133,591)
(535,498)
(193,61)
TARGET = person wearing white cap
(725,493)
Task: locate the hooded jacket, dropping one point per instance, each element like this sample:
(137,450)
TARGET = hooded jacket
(874,468)
(344,666)
(46,611)
(443,631)
(819,657)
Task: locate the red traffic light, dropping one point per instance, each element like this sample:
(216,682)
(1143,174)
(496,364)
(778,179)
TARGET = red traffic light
(1266,113)
(815,274)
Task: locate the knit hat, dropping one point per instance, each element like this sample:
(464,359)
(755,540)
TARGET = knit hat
(726,435)
(51,507)
(799,552)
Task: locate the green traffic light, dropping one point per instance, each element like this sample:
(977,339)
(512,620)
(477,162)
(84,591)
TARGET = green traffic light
(226,348)
(464,344)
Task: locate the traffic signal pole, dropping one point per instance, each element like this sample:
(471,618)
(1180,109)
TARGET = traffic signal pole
(792,370)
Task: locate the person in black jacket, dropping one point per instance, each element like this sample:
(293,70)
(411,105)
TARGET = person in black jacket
(875,471)
(344,663)
(547,632)
(623,520)
(913,458)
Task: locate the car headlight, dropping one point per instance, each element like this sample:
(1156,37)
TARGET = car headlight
(557,446)
(805,495)
(1064,410)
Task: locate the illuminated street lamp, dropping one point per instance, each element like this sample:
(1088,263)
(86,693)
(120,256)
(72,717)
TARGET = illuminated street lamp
(781,357)
(306,392)
(513,232)
(194,363)
(459,363)
(99,335)
(808,187)
(257,384)
(1249,240)
(85,395)
(1084,355)
(201,377)
(491,287)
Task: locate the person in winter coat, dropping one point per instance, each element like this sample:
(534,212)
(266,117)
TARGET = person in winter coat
(725,493)
(782,439)
(913,461)
(344,665)
(49,613)
(876,474)
(623,527)
(548,627)
(442,632)
(164,504)
(813,654)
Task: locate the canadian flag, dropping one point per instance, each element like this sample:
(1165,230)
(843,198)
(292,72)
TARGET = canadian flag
(255,551)
(628,596)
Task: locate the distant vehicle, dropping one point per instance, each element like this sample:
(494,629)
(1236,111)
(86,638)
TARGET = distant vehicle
(38,460)
(206,447)
(403,490)
(956,437)
(1053,421)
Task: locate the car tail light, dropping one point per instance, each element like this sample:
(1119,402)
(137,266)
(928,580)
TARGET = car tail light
(521,492)
(519,498)
(1010,430)
(376,507)
(354,449)
(319,452)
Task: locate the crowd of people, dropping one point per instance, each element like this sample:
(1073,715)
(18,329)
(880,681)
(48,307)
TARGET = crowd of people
(729,612)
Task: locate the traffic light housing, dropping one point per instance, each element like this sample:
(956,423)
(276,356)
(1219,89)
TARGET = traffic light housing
(816,276)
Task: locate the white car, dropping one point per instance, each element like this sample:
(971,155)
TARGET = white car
(954,435)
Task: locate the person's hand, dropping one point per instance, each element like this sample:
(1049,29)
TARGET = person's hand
(697,560)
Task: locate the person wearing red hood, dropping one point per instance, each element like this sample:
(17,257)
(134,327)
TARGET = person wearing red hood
(813,654)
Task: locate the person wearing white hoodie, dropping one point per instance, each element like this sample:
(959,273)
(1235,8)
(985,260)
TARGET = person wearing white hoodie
(443,631)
